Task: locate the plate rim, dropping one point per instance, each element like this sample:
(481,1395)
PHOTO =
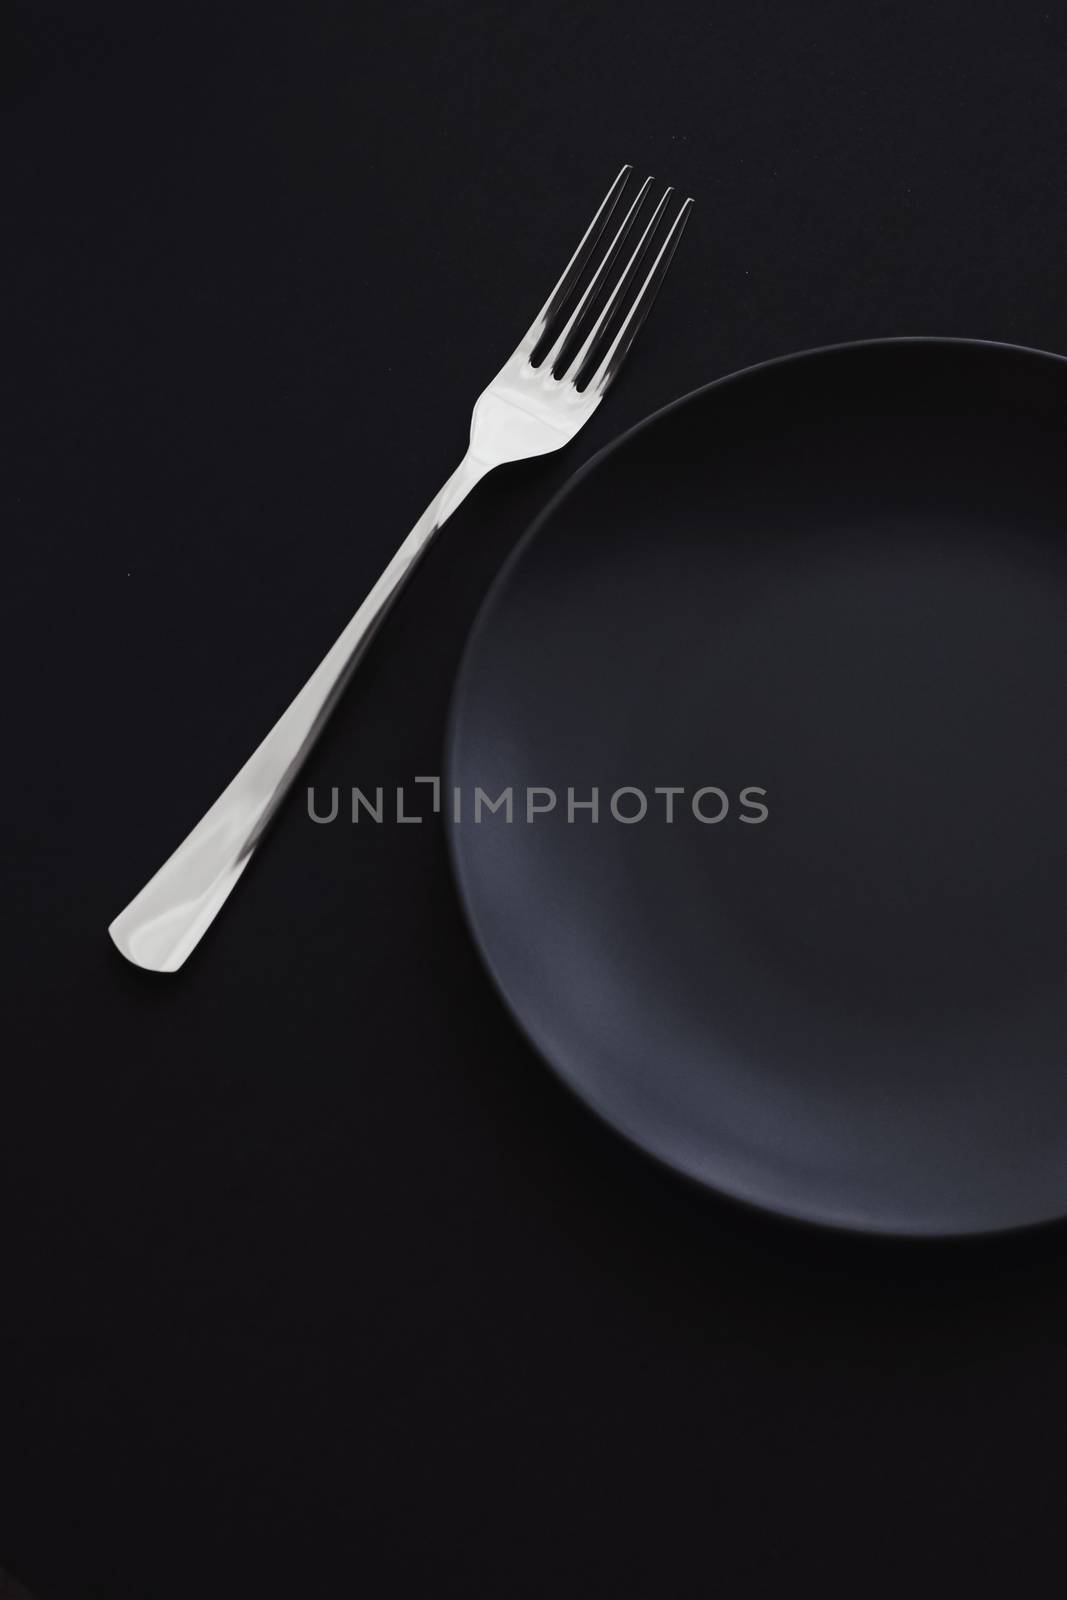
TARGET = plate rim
(808,1217)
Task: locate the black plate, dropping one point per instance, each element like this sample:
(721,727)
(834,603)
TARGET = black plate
(840,578)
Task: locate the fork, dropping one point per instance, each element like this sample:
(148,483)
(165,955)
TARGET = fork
(537,402)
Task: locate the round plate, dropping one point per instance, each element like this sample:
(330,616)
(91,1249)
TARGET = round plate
(839,579)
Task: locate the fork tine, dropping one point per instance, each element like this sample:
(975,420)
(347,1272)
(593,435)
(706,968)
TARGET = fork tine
(626,335)
(573,271)
(632,266)
(552,357)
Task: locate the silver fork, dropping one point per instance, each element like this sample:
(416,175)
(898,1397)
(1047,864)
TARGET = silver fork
(536,403)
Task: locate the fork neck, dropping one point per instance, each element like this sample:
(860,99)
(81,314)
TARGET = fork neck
(471,470)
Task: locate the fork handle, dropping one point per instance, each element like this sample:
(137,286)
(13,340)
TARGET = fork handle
(166,921)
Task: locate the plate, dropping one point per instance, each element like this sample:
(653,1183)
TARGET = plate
(803,638)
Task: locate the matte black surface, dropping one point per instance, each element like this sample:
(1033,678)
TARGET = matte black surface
(313,1281)
(835,588)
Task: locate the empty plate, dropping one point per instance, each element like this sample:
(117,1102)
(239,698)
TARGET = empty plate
(816,614)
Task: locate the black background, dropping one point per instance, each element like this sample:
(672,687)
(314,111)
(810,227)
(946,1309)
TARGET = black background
(313,1281)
